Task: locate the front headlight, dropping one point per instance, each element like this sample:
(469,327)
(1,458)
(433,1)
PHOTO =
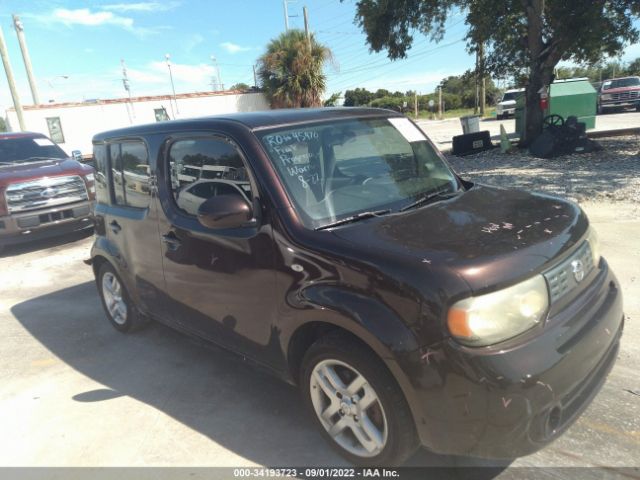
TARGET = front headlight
(594,245)
(498,316)
(606,96)
(90,177)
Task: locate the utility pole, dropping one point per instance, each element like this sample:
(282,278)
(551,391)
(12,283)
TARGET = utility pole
(173,88)
(285,3)
(127,87)
(439,102)
(477,82)
(11,80)
(255,77)
(483,95)
(415,104)
(219,85)
(286,15)
(306,25)
(17,23)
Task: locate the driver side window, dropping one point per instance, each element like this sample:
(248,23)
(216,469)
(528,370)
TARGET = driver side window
(201,168)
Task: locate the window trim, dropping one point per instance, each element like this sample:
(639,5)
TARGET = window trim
(216,136)
(112,186)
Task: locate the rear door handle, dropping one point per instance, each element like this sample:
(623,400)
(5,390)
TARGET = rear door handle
(171,241)
(115,227)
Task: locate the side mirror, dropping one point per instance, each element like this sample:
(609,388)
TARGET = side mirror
(225,211)
(76,155)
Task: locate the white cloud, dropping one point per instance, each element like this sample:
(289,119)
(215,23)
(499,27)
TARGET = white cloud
(141,6)
(233,48)
(84,16)
(88,18)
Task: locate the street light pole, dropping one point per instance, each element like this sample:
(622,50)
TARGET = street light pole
(173,88)
(10,80)
(17,23)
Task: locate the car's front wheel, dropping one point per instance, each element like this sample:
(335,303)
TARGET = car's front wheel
(356,402)
(116,301)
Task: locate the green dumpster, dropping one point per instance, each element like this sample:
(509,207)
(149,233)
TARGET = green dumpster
(575,97)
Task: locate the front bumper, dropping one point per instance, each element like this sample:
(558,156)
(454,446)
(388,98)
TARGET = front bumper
(45,223)
(508,403)
(619,103)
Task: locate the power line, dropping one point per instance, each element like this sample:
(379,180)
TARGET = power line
(408,62)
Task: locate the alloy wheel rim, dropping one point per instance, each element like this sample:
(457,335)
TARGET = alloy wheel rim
(112,293)
(348,408)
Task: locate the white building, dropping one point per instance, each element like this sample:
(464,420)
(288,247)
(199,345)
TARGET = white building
(72,125)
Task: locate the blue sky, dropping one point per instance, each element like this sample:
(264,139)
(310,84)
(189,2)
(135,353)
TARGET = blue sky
(76,46)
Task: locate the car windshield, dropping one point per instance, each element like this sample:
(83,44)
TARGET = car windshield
(621,83)
(344,168)
(24,149)
(510,96)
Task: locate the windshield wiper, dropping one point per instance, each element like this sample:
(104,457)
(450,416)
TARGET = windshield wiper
(355,218)
(426,198)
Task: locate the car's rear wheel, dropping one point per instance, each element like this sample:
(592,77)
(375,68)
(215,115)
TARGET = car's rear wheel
(116,301)
(356,402)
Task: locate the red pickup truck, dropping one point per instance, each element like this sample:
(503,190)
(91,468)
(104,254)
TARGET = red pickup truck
(619,92)
(43,192)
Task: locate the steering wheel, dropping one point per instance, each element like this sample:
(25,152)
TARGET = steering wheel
(553,120)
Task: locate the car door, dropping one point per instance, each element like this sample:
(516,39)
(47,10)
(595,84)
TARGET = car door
(131,224)
(221,282)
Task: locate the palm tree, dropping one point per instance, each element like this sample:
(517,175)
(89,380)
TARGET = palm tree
(290,70)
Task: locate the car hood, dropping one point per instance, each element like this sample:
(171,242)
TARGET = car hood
(507,103)
(620,89)
(12,173)
(488,236)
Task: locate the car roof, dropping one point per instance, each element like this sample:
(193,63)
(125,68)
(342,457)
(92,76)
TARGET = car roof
(252,120)
(514,90)
(6,135)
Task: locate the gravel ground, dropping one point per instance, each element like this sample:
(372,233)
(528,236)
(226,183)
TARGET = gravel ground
(610,175)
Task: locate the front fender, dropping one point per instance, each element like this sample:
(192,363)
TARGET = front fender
(363,315)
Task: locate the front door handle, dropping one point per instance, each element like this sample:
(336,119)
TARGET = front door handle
(115,227)
(171,241)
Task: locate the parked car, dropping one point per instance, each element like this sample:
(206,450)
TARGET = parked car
(43,192)
(507,106)
(618,93)
(412,307)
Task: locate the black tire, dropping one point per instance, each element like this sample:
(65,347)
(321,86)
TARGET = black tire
(401,438)
(133,320)
(499,117)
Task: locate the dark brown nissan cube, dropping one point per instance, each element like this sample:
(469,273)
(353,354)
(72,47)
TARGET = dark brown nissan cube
(338,249)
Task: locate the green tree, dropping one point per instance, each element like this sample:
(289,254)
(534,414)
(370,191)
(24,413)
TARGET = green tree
(520,37)
(357,97)
(3,125)
(240,86)
(332,101)
(291,70)
(634,67)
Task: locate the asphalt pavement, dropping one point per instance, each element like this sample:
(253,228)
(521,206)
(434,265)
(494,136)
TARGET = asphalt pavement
(74,392)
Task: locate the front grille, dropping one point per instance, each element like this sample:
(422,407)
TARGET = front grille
(632,95)
(45,192)
(561,278)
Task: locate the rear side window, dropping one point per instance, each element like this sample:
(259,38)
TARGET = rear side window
(130,173)
(201,168)
(100,159)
